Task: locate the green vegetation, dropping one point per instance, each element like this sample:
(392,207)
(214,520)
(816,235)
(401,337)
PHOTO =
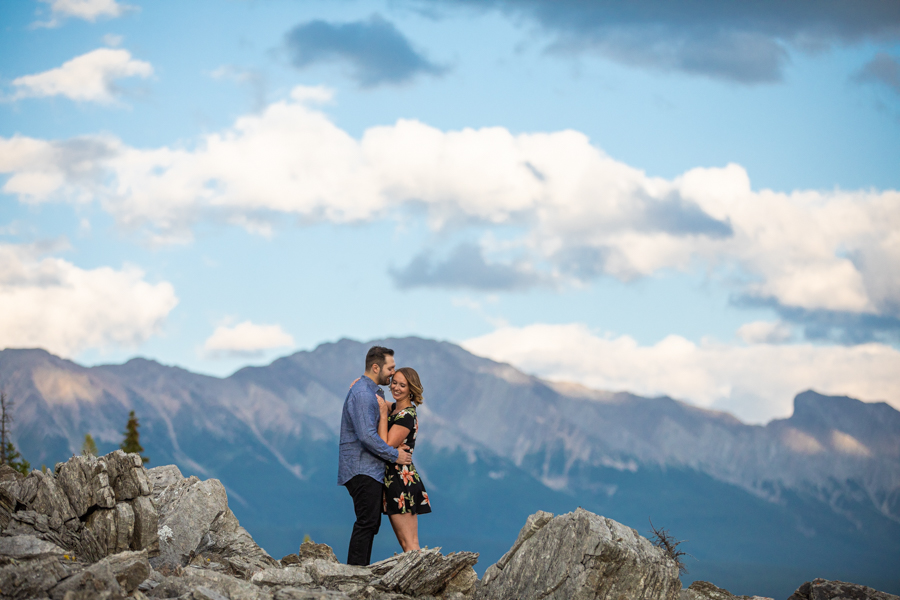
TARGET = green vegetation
(89,447)
(132,441)
(8,453)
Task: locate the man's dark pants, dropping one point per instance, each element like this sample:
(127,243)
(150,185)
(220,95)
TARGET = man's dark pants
(367,502)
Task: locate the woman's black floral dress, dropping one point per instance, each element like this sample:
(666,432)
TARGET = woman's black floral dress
(404,491)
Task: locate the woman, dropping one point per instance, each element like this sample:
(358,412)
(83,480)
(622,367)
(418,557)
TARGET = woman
(404,493)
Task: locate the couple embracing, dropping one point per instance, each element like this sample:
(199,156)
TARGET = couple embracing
(375,463)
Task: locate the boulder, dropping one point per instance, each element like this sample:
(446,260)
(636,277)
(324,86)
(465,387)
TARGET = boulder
(338,576)
(35,578)
(85,481)
(822,589)
(49,499)
(290,560)
(146,526)
(200,580)
(312,551)
(185,510)
(462,585)
(127,475)
(112,528)
(162,477)
(581,555)
(195,521)
(308,594)
(703,590)
(426,572)
(117,576)
(22,547)
(274,577)
(28,522)
(229,543)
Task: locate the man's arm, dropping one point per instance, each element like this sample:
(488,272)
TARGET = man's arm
(364,415)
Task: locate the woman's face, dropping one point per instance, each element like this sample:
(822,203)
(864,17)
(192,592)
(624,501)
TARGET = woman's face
(399,387)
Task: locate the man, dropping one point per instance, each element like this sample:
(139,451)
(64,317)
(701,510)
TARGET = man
(363,454)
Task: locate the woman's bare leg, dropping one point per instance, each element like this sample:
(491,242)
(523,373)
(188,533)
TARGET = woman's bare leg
(406,528)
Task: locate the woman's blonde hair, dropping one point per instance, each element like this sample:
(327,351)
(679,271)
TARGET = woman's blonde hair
(413,383)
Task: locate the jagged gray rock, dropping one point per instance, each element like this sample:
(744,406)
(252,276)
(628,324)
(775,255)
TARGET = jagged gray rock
(35,578)
(823,589)
(338,576)
(85,481)
(127,475)
(462,585)
(704,590)
(581,555)
(196,526)
(226,585)
(532,524)
(307,594)
(275,577)
(163,476)
(146,525)
(311,551)
(426,572)
(118,575)
(21,547)
(75,507)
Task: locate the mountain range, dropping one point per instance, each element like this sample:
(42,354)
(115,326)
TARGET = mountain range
(761,508)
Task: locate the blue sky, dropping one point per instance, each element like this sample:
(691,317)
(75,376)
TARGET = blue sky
(681,199)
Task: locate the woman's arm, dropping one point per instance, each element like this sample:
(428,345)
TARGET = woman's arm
(383,408)
(396,435)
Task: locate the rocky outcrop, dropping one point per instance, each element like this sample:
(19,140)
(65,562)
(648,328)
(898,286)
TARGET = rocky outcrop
(822,589)
(581,555)
(91,507)
(196,527)
(703,590)
(107,528)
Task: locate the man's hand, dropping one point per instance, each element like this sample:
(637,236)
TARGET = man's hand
(404,456)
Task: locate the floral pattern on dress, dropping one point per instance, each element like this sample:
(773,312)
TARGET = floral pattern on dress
(404,491)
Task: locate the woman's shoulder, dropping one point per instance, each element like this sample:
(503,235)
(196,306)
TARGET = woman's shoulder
(408,411)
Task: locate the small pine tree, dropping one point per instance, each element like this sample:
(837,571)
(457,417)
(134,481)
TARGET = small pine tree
(89,447)
(15,460)
(132,441)
(8,453)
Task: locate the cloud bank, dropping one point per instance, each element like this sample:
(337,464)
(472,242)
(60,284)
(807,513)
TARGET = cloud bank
(745,42)
(570,212)
(90,77)
(246,340)
(50,303)
(376,52)
(89,10)
(884,69)
(756,382)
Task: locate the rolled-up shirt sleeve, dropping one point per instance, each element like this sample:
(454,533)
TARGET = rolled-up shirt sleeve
(364,414)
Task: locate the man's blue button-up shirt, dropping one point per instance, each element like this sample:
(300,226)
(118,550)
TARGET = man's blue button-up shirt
(362,451)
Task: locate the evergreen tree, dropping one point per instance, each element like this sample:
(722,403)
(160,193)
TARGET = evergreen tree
(89,448)
(15,460)
(8,453)
(132,442)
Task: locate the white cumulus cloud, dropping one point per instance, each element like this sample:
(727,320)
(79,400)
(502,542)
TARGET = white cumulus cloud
(89,10)
(756,382)
(90,77)
(765,332)
(246,339)
(50,303)
(583,213)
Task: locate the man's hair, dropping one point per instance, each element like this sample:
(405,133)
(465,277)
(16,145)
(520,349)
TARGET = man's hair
(376,356)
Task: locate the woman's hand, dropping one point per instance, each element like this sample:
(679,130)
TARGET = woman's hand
(383,407)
